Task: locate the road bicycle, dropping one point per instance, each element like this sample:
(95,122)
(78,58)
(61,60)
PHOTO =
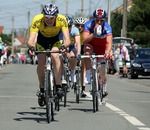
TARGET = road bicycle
(67,85)
(77,84)
(96,82)
(49,86)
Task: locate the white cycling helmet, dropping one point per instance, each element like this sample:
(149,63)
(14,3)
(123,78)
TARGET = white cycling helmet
(80,20)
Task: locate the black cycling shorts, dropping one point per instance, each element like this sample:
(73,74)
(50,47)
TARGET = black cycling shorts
(44,43)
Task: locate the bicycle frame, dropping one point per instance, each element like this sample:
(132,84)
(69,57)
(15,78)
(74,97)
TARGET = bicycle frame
(49,85)
(94,80)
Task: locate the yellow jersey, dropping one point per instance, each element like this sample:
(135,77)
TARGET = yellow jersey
(81,38)
(38,23)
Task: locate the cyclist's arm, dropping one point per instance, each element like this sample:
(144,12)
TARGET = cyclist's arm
(32,39)
(109,43)
(78,43)
(87,37)
(66,38)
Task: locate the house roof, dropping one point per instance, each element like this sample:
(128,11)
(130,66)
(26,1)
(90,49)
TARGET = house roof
(21,39)
(120,8)
(1,29)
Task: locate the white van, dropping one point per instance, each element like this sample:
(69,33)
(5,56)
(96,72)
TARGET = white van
(127,42)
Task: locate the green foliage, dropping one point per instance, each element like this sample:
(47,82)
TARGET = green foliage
(138,22)
(116,24)
(6,38)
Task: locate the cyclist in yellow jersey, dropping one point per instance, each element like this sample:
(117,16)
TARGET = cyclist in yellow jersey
(51,28)
(79,23)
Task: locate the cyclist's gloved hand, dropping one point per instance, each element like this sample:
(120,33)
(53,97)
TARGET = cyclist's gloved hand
(63,48)
(78,55)
(31,51)
(106,56)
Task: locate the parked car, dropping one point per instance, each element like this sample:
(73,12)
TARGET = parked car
(141,63)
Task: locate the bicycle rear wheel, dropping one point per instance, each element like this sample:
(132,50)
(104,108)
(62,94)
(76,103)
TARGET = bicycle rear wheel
(65,94)
(57,104)
(48,97)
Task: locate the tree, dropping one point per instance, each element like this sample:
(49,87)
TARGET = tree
(6,38)
(138,22)
(116,24)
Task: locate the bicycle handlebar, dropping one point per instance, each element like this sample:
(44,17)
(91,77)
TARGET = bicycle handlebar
(88,56)
(47,52)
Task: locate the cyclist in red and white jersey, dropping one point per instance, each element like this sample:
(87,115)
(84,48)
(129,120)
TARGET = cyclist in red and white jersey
(97,38)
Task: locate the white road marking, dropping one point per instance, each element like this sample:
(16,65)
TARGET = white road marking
(134,121)
(127,116)
(143,128)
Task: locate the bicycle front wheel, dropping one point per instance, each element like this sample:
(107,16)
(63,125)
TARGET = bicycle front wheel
(94,91)
(48,97)
(78,86)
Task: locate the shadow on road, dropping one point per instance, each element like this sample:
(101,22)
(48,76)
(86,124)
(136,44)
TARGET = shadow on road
(139,91)
(80,109)
(39,117)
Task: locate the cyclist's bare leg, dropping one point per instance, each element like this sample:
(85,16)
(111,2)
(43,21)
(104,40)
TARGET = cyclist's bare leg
(88,51)
(40,69)
(56,66)
(73,61)
(103,73)
(83,75)
(83,72)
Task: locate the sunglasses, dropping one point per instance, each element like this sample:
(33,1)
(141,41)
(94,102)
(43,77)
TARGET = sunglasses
(51,18)
(101,20)
(78,25)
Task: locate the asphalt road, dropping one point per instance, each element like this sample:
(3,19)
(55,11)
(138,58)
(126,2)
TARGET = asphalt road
(127,108)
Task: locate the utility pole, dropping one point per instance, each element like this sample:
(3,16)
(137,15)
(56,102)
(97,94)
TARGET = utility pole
(109,11)
(13,23)
(82,8)
(90,3)
(124,21)
(53,1)
(28,29)
(41,8)
(66,7)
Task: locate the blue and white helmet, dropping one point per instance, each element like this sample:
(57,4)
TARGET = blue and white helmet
(99,13)
(80,20)
(69,20)
(50,9)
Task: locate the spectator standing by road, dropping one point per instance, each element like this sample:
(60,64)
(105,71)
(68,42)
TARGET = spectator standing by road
(116,59)
(1,50)
(125,58)
(5,54)
(8,55)
(132,53)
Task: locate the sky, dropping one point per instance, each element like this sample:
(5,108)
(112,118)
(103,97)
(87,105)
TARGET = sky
(20,8)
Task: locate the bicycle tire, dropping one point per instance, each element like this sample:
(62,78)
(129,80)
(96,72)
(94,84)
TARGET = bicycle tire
(48,95)
(77,86)
(65,94)
(94,92)
(57,104)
